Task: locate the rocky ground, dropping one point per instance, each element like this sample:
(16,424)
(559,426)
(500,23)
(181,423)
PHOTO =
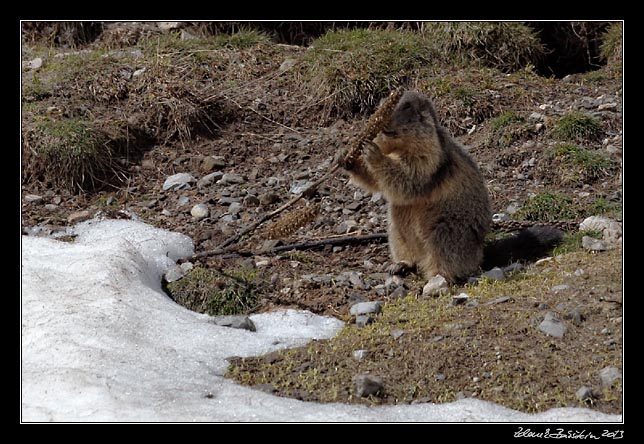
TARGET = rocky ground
(529,336)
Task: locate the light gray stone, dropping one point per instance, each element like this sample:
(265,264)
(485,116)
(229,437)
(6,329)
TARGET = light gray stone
(436,286)
(362,308)
(211,162)
(398,293)
(367,385)
(34,64)
(299,186)
(397,332)
(33,198)
(495,274)
(231,179)
(362,320)
(592,244)
(174,274)
(238,321)
(200,211)
(553,326)
(609,375)
(178,181)
(209,179)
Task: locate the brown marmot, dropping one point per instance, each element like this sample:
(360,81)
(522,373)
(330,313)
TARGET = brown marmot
(439,210)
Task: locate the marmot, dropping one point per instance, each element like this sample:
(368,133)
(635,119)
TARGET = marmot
(439,210)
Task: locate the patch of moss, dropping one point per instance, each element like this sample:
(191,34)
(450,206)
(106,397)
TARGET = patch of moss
(548,206)
(209,291)
(507,128)
(577,126)
(571,164)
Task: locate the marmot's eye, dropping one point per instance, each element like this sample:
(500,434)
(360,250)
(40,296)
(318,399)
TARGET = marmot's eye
(388,132)
(406,106)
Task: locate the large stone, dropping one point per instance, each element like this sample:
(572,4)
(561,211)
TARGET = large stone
(200,211)
(363,308)
(209,163)
(367,385)
(592,244)
(79,216)
(609,375)
(178,181)
(495,274)
(553,326)
(436,286)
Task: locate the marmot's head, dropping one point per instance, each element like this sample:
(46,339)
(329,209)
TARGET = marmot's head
(413,123)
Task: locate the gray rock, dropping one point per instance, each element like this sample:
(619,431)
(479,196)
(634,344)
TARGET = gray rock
(513,267)
(460,299)
(558,288)
(553,326)
(495,274)
(607,107)
(235,208)
(200,211)
(209,163)
(393,282)
(178,181)
(436,286)
(239,321)
(355,280)
(585,394)
(499,217)
(183,200)
(576,316)
(609,375)
(611,229)
(346,227)
(266,388)
(51,207)
(439,377)
(33,198)
(367,385)
(174,274)
(361,354)
(231,179)
(398,293)
(34,64)
(592,244)
(535,116)
(186,266)
(226,201)
(299,186)
(362,308)
(362,320)
(209,179)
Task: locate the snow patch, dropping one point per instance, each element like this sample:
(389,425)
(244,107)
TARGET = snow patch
(102,342)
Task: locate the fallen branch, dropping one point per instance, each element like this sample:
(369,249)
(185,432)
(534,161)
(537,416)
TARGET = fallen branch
(303,245)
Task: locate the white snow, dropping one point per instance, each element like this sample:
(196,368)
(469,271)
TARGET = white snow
(102,342)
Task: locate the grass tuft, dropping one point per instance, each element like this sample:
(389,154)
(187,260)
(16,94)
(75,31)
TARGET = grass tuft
(577,126)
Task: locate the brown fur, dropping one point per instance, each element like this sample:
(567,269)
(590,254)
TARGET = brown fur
(438,205)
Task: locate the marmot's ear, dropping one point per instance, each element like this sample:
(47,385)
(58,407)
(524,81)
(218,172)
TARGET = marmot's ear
(428,112)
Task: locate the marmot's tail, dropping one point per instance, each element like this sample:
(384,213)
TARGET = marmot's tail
(527,245)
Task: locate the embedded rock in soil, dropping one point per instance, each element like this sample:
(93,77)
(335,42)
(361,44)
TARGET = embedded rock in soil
(436,286)
(363,308)
(178,181)
(609,375)
(552,326)
(495,274)
(200,211)
(592,244)
(367,385)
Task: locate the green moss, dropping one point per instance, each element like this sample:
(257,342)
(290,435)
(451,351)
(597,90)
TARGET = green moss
(572,241)
(214,293)
(349,71)
(548,207)
(173,43)
(575,165)
(577,126)
(505,120)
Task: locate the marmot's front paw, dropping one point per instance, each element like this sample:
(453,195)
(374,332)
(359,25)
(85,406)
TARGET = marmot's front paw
(372,153)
